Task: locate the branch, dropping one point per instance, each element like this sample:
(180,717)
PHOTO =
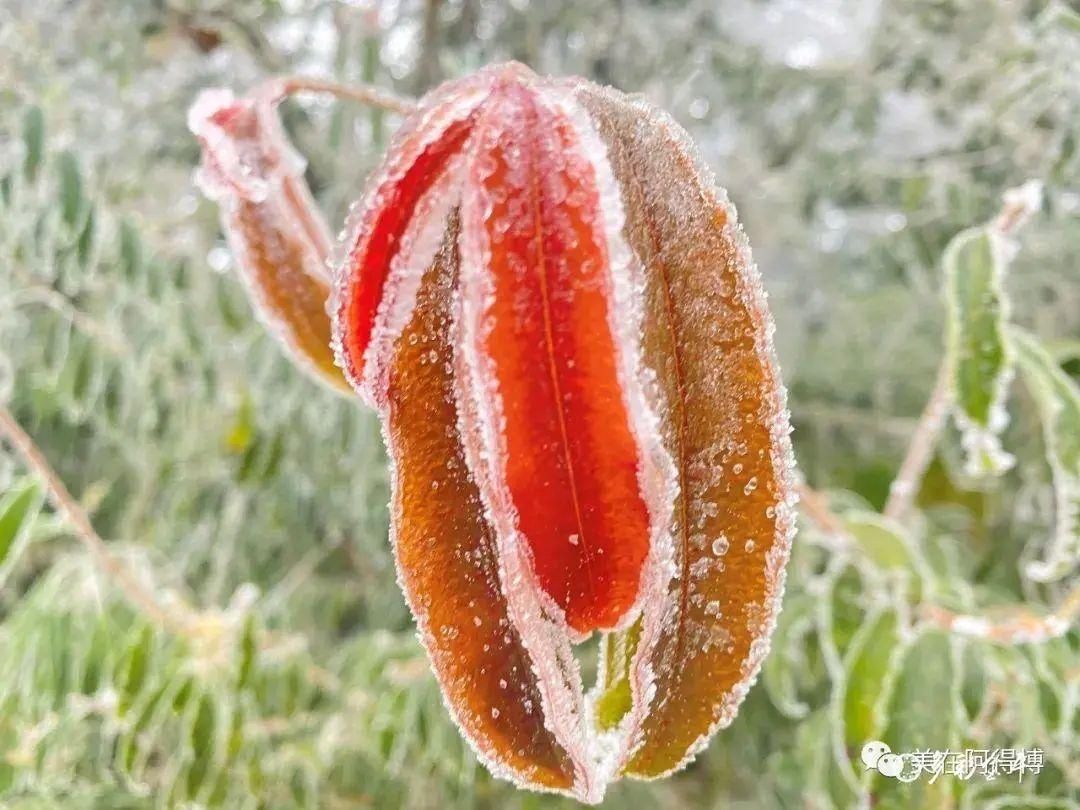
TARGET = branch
(904,487)
(364,94)
(62,500)
(427,72)
(1021,626)
(815,507)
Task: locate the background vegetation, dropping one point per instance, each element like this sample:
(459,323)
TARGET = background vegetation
(856,138)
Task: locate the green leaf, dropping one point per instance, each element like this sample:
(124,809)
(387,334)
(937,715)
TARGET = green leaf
(1058,15)
(979,361)
(139,656)
(882,541)
(615,698)
(248,650)
(18,509)
(923,714)
(131,259)
(871,666)
(33,140)
(1057,398)
(203,743)
(70,182)
(85,246)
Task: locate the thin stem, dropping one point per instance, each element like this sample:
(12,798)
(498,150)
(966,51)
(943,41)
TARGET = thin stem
(1020,627)
(904,487)
(63,501)
(364,94)
(815,507)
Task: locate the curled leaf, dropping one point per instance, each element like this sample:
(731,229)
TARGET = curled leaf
(556,425)
(448,561)
(1058,400)
(276,234)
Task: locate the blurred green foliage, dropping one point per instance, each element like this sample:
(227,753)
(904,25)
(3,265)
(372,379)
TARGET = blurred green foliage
(857,139)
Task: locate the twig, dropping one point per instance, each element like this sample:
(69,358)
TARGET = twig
(904,487)
(817,510)
(63,501)
(364,94)
(1021,627)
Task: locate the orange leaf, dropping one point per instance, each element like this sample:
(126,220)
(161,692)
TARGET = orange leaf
(447,558)
(276,233)
(707,334)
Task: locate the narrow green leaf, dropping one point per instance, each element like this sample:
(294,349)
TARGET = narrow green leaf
(85,246)
(33,141)
(138,656)
(978,356)
(615,697)
(871,666)
(70,182)
(248,651)
(203,743)
(18,509)
(130,250)
(1057,398)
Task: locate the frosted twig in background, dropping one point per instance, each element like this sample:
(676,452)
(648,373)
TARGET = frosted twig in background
(1015,626)
(921,449)
(58,495)
(362,94)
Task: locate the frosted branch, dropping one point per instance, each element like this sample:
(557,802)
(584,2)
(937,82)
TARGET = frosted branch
(1017,626)
(921,448)
(361,93)
(62,500)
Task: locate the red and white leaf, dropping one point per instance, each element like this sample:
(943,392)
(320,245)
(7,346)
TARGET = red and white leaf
(275,231)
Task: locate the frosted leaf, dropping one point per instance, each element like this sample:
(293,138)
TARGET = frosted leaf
(979,358)
(367,313)
(448,563)
(549,366)
(721,409)
(274,230)
(1058,401)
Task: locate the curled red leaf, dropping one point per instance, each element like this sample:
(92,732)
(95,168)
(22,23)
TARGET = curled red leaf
(277,236)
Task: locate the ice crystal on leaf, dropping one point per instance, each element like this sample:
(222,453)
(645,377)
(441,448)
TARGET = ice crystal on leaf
(555,314)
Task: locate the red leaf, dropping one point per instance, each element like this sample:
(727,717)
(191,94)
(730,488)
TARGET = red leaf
(275,231)
(560,461)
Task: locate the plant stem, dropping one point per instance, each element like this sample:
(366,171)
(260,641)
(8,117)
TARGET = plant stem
(904,487)
(62,500)
(364,94)
(1019,627)
(1018,206)
(815,507)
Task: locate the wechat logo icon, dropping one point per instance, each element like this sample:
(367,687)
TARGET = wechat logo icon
(877,756)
